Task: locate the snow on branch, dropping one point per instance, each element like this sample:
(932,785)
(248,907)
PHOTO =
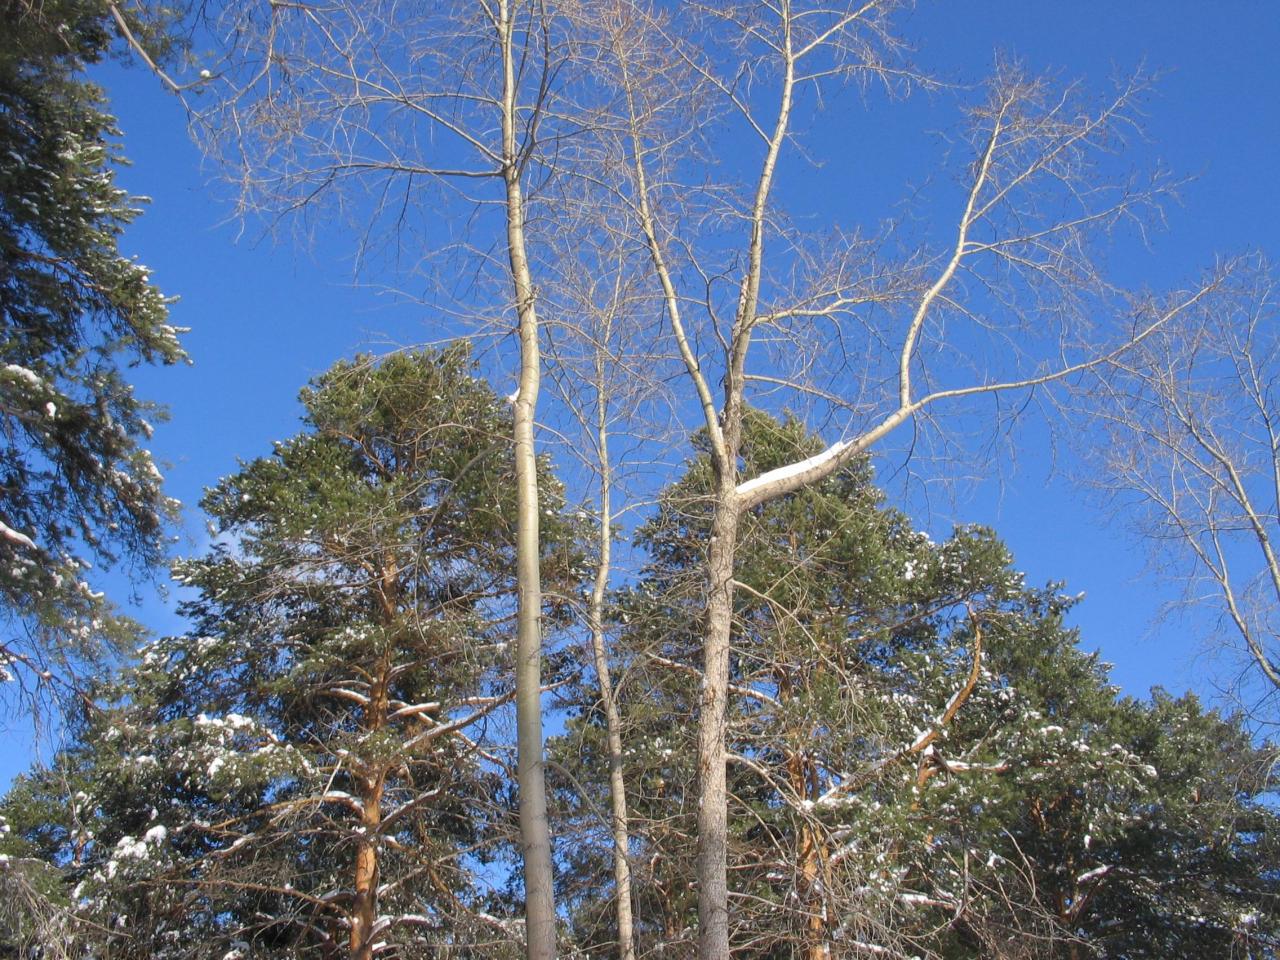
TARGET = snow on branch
(415,709)
(462,723)
(13,536)
(344,798)
(924,740)
(792,470)
(408,805)
(1096,873)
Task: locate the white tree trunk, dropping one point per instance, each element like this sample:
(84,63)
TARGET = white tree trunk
(535,833)
(713,818)
(619,824)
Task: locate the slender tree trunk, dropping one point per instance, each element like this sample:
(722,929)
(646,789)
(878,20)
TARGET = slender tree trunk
(809,855)
(364,909)
(534,828)
(713,890)
(713,814)
(535,834)
(613,721)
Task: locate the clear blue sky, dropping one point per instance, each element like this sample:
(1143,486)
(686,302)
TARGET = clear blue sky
(266,315)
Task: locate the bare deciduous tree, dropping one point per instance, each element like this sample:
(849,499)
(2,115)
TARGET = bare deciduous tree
(1010,302)
(1192,420)
(694,111)
(597,358)
(395,114)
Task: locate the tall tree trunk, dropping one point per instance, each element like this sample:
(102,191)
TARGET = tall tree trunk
(613,721)
(364,910)
(713,890)
(370,783)
(713,813)
(535,834)
(810,856)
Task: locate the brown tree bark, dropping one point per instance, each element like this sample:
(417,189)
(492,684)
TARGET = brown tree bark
(370,783)
(364,910)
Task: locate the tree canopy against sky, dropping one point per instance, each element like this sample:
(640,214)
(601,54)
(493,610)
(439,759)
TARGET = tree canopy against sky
(921,757)
(923,761)
(1016,103)
(1201,119)
(311,767)
(78,486)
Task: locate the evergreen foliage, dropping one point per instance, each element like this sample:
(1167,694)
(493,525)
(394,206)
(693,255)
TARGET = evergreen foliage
(922,760)
(77,486)
(309,770)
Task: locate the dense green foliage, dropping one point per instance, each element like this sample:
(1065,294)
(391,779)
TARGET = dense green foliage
(895,782)
(311,765)
(77,486)
(923,761)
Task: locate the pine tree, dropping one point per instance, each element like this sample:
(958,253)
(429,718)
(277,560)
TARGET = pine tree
(852,631)
(309,771)
(924,763)
(922,760)
(1121,828)
(77,486)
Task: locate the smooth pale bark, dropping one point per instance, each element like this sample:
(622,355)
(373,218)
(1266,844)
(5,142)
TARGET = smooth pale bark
(534,828)
(535,833)
(713,848)
(713,813)
(613,721)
